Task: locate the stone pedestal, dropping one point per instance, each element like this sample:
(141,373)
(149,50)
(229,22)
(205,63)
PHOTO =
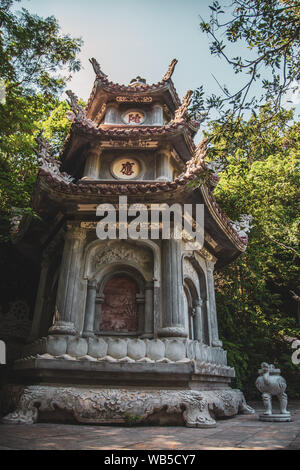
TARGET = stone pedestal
(275,418)
(125,406)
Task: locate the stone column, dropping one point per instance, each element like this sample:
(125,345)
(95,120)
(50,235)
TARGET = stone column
(163,168)
(111,115)
(140,300)
(157,115)
(98,308)
(171,290)
(212,313)
(92,165)
(191,313)
(198,320)
(64,321)
(89,318)
(149,317)
(40,299)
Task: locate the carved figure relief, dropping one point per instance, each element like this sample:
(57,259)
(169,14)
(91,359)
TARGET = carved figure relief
(119,311)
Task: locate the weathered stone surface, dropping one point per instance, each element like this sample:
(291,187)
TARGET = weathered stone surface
(136,349)
(270,383)
(172,350)
(175,350)
(77,347)
(100,405)
(155,349)
(97,347)
(117,348)
(225,403)
(57,345)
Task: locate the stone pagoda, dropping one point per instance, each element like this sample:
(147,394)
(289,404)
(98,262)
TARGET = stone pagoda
(125,330)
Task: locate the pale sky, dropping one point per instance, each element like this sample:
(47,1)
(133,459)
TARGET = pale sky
(140,37)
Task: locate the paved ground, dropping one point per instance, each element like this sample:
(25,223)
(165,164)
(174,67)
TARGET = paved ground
(241,432)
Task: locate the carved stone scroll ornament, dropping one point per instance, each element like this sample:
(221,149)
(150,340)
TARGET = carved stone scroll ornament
(134,99)
(111,405)
(123,253)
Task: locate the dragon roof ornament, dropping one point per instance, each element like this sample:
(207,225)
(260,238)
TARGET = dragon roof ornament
(197,160)
(243,225)
(77,110)
(170,70)
(97,68)
(181,111)
(48,163)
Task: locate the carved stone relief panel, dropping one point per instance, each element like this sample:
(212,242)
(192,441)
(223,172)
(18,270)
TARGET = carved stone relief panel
(119,310)
(123,252)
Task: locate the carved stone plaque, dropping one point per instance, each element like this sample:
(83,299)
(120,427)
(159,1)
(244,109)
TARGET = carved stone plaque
(134,117)
(119,310)
(125,168)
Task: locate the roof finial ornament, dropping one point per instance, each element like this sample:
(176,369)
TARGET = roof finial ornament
(97,68)
(137,82)
(170,70)
(181,111)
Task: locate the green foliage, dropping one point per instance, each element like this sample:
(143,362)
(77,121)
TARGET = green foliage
(57,126)
(259,162)
(35,61)
(254,304)
(270,30)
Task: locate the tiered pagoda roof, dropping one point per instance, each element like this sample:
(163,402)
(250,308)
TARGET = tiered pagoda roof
(88,127)
(104,90)
(57,190)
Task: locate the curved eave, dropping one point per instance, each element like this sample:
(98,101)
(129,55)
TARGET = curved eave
(176,132)
(104,91)
(231,244)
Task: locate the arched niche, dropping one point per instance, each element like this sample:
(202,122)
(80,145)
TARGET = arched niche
(143,256)
(198,290)
(120,300)
(191,303)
